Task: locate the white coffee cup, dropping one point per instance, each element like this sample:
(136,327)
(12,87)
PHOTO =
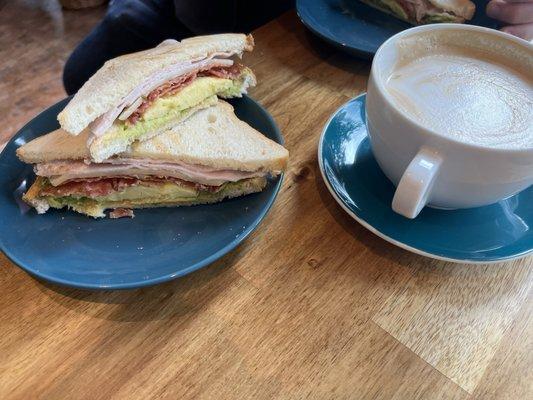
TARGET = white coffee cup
(430,168)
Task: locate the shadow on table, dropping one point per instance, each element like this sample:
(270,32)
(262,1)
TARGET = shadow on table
(168,300)
(373,243)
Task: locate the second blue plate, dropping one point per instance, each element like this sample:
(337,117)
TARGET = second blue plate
(359,29)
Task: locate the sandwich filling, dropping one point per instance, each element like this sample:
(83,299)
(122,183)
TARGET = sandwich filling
(162,105)
(92,188)
(93,197)
(60,172)
(173,91)
(418,11)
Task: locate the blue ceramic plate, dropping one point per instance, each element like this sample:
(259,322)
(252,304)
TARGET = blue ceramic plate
(359,29)
(493,233)
(157,245)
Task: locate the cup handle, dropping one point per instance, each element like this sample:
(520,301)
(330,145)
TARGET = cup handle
(415,185)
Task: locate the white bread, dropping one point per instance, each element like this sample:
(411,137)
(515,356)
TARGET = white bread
(54,146)
(119,76)
(213,137)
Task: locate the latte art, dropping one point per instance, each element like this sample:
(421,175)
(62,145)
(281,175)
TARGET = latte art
(467,95)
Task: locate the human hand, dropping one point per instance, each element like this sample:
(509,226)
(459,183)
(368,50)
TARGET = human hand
(517,13)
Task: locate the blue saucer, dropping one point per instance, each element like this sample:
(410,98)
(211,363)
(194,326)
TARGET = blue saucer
(493,233)
(359,29)
(157,245)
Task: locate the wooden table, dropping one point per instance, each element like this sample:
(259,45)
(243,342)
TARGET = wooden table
(312,305)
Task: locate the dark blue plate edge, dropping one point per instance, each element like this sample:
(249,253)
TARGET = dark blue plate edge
(351,213)
(165,278)
(366,55)
(369,54)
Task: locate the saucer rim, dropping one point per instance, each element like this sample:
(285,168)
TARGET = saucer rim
(375,231)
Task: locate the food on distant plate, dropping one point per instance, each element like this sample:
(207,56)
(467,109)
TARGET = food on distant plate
(209,157)
(419,12)
(136,96)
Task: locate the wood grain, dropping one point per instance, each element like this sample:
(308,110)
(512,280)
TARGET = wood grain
(454,318)
(311,306)
(515,355)
(36,37)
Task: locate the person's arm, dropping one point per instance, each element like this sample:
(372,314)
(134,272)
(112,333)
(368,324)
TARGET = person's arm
(518,14)
(214,16)
(207,16)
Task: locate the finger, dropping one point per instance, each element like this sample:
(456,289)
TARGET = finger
(512,13)
(524,31)
(517,1)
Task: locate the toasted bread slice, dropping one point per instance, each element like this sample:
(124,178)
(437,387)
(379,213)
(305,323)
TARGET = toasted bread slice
(212,137)
(119,76)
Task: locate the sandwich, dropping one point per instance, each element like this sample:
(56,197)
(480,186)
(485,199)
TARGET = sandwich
(207,158)
(136,96)
(418,12)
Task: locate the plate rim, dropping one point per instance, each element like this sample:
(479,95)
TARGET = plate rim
(364,54)
(368,52)
(374,230)
(167,277)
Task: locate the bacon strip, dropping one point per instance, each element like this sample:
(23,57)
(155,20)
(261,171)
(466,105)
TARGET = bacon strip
(121,213)
(105,186)
(231,72)
(167,89)
(173,86)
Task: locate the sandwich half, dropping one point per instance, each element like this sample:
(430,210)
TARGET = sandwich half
(207,158)
(136,96)
(419,12)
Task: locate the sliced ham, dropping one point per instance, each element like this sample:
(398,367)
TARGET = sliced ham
(59,172)
(99,126)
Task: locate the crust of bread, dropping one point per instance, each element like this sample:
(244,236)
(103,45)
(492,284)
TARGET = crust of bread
(119,76)
(213,137)
(32,197)
(97,211)
(54,146)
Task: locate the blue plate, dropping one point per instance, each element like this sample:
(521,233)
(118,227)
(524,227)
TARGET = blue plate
(493,233)
(157,245)
(359,29)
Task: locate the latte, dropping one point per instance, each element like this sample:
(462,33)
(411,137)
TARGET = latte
(474,95)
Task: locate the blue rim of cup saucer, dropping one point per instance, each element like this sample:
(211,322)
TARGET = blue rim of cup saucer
(377,232)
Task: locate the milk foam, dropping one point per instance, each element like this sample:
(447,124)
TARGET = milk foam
(467,94)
